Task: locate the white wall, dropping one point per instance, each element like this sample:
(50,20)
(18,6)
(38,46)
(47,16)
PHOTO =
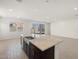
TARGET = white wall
(5,30)
(65,28)
(47,28)
(68,49)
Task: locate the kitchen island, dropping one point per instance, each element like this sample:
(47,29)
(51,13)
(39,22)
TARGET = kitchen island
(40,48)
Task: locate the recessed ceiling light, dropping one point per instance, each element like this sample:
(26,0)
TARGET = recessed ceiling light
(75,9)
(10,10)
(36,10)
(18,16)
(47,17)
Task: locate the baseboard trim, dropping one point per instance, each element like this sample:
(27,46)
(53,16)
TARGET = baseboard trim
(64,37)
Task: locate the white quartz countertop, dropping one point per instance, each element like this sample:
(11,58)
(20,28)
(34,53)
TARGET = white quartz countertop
(46,42)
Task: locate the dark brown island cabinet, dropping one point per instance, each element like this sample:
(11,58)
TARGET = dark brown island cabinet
(35,53)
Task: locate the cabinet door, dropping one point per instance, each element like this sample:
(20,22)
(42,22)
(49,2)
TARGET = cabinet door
(31,52)
(35,53)
(24,46)
(27,49)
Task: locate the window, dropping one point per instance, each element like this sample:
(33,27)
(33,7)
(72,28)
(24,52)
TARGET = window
(38,28)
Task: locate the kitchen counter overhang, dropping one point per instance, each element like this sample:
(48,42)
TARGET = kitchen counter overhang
(46,42)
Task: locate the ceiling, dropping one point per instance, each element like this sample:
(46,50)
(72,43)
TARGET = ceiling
(39,9)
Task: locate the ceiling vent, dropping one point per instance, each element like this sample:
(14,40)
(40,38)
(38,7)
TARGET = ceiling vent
(46,1)
(19,0)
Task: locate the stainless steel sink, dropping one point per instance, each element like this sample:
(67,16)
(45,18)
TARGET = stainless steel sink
(29,37)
